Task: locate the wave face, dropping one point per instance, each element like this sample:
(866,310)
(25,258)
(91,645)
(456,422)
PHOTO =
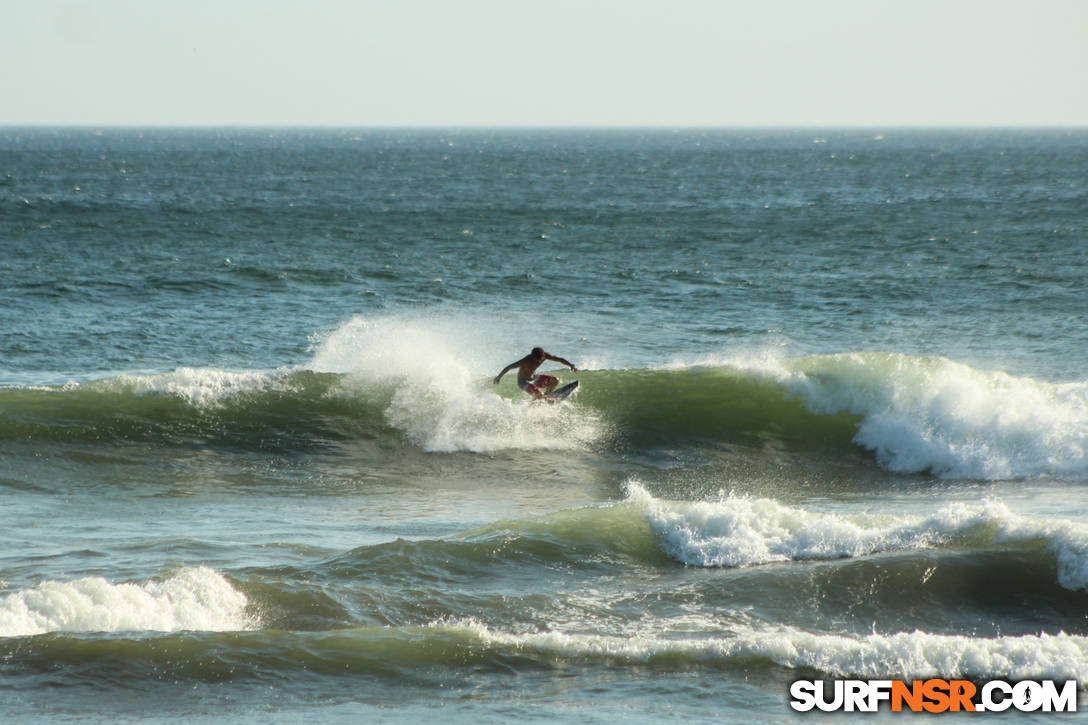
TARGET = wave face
(246,410)
(914,414)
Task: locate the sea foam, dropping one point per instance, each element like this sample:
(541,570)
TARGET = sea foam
(934,414)
(197,599)
(901,655)
(738,531)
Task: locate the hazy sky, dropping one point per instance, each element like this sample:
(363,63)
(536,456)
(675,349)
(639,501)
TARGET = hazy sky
(550,62)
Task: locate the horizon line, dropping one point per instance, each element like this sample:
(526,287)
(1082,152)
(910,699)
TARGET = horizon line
(544,127)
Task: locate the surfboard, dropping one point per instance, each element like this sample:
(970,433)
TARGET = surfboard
(561,394)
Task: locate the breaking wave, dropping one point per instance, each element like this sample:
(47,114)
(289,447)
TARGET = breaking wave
(386,379)
(196,599)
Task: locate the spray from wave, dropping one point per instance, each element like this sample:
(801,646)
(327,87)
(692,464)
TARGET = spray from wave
(439,399)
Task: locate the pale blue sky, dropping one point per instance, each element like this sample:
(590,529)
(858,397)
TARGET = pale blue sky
(547,63)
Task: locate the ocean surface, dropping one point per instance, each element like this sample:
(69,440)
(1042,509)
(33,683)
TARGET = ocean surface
(832,422)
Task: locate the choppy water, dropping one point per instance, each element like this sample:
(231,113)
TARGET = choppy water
(833,420)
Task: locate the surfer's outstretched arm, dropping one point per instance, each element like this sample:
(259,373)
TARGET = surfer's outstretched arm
(568,363)
(505,370)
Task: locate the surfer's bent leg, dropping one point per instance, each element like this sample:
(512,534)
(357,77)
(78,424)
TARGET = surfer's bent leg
(548,382)
(529,386)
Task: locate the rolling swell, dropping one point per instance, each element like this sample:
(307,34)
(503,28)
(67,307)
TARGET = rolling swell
(980,567)
(417,654)
(897,592)
(417,623)
(993,569)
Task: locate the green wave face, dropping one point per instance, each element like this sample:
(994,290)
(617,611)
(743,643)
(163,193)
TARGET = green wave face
(713,405)
(913,414)
(303,409)
(251,411)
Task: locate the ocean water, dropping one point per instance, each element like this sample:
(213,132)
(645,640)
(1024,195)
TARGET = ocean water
(832,422)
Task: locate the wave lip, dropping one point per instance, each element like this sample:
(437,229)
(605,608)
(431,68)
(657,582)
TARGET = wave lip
(197,599)
(199,387)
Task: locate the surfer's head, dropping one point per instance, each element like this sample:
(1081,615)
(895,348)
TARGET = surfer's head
(537,353)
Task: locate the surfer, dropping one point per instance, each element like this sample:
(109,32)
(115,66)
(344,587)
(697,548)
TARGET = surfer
(535,385)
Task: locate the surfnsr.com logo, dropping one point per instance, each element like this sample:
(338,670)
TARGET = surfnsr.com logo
(933,695)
